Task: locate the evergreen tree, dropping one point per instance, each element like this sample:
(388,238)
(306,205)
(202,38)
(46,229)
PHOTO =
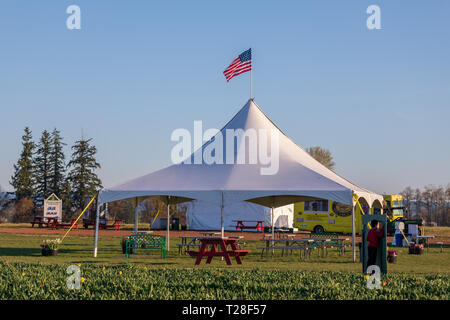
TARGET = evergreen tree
(23,179)
(65,197)
(83,180)
(42,165)
(57,165)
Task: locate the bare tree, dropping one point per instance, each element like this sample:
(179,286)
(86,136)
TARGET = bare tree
(408,195)
(428,198)
(440,203)
(418,200)
(149,209)
(447,204)
(322,155)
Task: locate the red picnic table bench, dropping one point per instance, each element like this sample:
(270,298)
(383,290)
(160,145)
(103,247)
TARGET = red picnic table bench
(240,225)
(60,225)
(51,222)
(115,225)
(44,221)
(214,242)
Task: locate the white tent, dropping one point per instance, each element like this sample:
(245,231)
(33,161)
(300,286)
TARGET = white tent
(203,215)
(299,176)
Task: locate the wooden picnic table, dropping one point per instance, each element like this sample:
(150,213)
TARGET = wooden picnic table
(74,222)
(38,220)
(209,233)
(288,243)
(186,243)
(41,221)
(191,241)
(327,242)
(218,243)
(309,243)
(115,225)
(240,225)
(425,238)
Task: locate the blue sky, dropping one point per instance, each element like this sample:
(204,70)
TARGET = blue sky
(379,100)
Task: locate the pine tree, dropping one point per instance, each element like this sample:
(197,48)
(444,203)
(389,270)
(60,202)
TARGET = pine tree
(65,197)
(57,165)
(23,179)
(42,165)
(83,180)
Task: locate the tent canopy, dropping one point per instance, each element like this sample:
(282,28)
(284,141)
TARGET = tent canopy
(206,216)
(299,176)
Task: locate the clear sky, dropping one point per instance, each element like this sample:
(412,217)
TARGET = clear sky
(379,100)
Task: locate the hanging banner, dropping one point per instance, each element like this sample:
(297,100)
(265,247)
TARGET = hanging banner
(53,207)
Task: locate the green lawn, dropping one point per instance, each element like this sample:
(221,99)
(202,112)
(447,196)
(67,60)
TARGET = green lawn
(78,249)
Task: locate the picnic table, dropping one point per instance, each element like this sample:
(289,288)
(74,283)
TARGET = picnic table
(240,226)
(38,220)
(282,233)
(192,241)
(41,221)
(103,223)
(59,225)
(209,234)
(425,239)
(218,243)
(186,243)
(329,239)
(301,244)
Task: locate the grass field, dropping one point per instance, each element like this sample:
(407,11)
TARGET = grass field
(145,275)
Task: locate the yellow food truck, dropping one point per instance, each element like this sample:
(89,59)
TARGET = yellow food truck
(325,216)
(329,216)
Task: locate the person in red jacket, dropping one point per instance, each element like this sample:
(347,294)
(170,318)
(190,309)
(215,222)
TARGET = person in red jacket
(373,237)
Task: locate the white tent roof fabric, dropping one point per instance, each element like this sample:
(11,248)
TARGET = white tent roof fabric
(300,176)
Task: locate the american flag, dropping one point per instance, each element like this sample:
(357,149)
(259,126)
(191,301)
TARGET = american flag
(242,63)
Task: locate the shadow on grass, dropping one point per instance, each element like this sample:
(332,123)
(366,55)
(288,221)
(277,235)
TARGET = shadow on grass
(20,252)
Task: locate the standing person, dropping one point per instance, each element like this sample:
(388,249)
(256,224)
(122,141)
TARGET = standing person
(374,236)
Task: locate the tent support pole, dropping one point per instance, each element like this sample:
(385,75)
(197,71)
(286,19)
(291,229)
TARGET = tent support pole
(168,222)
(353,234)
(97,218)
(273,232)
(222,218)
(136,221)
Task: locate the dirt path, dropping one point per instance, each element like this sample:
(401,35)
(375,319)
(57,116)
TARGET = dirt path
(29,231)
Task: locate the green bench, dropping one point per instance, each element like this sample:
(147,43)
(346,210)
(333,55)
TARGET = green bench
(146,241)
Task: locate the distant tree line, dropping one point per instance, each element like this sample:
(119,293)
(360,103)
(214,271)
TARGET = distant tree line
(149,209)
(42,170)
(431,203)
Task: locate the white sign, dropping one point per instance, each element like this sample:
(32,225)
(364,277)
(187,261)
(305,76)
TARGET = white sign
(53,208)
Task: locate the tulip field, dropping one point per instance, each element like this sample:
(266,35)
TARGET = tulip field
(40,281)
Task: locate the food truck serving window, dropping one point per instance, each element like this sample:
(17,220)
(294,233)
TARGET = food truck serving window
(316,205)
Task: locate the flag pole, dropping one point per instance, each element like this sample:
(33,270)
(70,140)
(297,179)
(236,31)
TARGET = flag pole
(251,77)
(250,84)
